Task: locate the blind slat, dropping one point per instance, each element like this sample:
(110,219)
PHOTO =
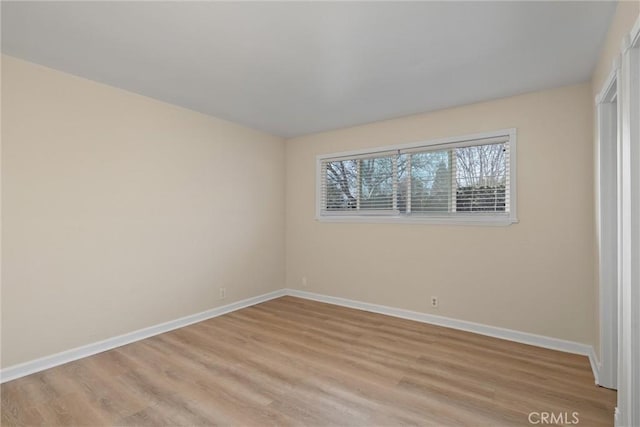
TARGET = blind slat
(465,177)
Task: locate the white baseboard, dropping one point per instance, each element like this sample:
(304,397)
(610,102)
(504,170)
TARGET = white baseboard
(595,365)
(37,365)
(463,325)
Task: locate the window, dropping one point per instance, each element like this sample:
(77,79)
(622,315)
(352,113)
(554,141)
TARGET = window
(457,180)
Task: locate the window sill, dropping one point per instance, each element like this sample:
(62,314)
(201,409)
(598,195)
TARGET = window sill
(500,221)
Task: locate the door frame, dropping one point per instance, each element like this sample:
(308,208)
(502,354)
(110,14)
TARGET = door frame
(608,199)
(628,411)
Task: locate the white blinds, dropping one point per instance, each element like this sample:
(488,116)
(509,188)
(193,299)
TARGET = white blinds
(466,177)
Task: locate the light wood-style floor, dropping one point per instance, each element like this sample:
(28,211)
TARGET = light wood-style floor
(291,361)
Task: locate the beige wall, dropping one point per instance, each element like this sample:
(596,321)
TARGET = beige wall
(535,276)
(627,13)
(121,212)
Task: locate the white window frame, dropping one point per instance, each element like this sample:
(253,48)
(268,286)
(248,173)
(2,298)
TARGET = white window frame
(496,219)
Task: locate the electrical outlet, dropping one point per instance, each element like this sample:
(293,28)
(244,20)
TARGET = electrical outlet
(305,282)
(434,302)
(223,293)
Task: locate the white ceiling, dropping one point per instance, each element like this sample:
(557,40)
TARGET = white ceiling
(291,68)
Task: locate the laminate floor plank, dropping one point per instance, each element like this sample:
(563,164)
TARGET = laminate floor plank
(291,362)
